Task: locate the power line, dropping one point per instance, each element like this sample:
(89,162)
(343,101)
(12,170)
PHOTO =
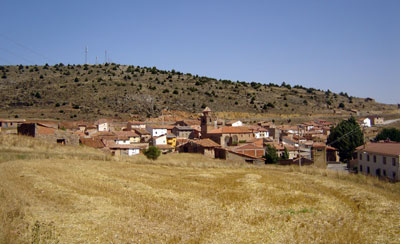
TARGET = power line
(17,55)
(27,48)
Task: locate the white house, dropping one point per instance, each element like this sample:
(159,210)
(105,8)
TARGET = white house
(261,133)
(157,130)
(103,125)
(234,123)
(160,140)
(366,122)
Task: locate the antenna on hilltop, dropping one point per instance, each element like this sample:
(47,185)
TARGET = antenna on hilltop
(105,56)
(96,60)
(86,53)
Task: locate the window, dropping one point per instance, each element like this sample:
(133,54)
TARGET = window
(368,169)
(368,157)
(384,172)
(384,160)
(393,161)
(360,168)
(360,157)
(394,175)
(374,158)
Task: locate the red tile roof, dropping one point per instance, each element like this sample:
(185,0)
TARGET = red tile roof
(386,148)
(231,130)
(91,142)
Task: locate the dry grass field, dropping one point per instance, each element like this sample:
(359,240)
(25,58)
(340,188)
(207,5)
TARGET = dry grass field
(61,194)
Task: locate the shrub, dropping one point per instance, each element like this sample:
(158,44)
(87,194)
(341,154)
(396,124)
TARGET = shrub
(152,153)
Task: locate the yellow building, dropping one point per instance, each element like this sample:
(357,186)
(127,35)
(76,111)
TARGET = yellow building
(171,140)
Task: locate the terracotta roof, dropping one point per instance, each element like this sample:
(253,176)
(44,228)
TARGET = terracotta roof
(171,136)
(43,130)
(184,127)
(126,134)
(386,148)
(205,143)
(230,130)
(207,109)
(91,142)
(141,131)
(101,121)
(319,145)
(249,146)
(134,122)
(244,155)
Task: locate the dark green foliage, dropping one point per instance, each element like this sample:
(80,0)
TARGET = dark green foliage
(271,156)
(341,105)
(285,155)
(346,136)
(392,134)
(152,153)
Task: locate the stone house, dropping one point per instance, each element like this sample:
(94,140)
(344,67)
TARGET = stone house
(145,136)
(203,146)
(250,149)
(183,132)
(48,132)
(231,136)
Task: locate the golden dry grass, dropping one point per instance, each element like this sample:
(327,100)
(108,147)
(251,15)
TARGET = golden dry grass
(55,194)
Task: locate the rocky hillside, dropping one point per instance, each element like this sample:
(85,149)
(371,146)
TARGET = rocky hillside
(112,90)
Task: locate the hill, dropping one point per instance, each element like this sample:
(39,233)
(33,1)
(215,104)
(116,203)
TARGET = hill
(111,90)
(59,194)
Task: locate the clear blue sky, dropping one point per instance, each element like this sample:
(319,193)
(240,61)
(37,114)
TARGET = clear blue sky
(349,46)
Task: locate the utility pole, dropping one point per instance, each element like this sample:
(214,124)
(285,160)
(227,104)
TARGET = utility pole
(86,54)
(105,56)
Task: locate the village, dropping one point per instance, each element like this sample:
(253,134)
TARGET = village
(301,144)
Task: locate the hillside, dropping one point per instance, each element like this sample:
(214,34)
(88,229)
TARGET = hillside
(60,194)
(111,90)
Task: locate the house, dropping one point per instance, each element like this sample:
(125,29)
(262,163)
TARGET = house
(250,149)
(145,136)
(171,140)
(136,124)
(230,136)
(127,137)
(183,132)
(234,123)
(261,133)
(10,123)
(159,140)
(365,122)
(103,125)
(92,142)
(48,132)
(379,159)
(125,149)
(204,146)
(157,130)
(376,120)
(237,156)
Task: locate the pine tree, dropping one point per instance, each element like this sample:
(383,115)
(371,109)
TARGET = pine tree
(346,137)
(271,155)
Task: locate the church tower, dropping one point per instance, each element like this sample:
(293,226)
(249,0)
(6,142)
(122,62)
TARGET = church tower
(206,122)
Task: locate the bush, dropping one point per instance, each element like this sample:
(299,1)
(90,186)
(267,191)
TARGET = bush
(152,153)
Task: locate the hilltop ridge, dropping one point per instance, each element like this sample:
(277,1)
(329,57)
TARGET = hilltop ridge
(113,90)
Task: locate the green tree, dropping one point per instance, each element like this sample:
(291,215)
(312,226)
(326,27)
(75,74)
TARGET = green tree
(392,134)
(152,153)
(345,137)
(271,155)
(285,155)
